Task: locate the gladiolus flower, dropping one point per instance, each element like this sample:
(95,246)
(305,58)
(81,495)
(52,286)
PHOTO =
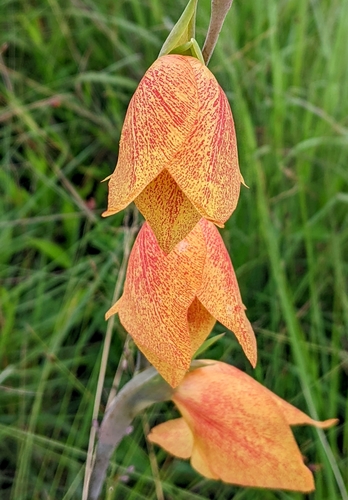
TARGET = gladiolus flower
(178,154)
(236,430)
(170,302)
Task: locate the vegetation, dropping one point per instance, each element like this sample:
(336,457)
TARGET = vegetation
(68,70)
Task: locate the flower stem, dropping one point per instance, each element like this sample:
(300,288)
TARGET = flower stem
(140,392)
(219,9)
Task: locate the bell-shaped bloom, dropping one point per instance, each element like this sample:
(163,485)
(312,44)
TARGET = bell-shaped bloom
(171,301)
(234,429)
(178,154)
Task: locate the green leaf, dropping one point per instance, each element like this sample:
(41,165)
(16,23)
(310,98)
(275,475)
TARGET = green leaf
(53,251)
(207,344)
(190,48)
(183,31)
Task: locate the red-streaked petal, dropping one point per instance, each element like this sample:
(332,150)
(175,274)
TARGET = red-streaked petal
(158,292)
(174,436)
(169,212)
(219,292)
(159,119)
(173,372)
(206,168)
(201,323)
(239,430)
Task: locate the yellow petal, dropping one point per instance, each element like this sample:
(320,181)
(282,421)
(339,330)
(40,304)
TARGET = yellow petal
(169,212)
(159,118)
(206,168)
(239,430)
(201,323)
(172,365)
(219,292)
(201,465)
(158,292)
(174,436)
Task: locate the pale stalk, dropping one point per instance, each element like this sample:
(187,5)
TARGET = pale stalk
(141,391)
(219,10)
(129,235)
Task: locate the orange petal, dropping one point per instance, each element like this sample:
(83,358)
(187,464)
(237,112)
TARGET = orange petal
(239,430)
(201,323)
(169,212)
(199,463)
(158,292)
(294,416)
(219,291)
(174,436)
(159,118)
(206,168)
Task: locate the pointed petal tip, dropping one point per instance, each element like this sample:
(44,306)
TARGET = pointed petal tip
(329,423)
(173,371)
(106,213)
(246,338)
(250,350)
(107,178)
(175,381)
(111,211)
(168,211)
(243,181)
(325,424)
(253,360)
(113,310)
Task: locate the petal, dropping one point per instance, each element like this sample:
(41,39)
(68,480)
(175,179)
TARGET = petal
(174,436)
(294,416)
(239,430)
(158,292)
(159,118)
(206,168)
(199,462)
(169,212)
(201,323)
(172,366)
(219,291)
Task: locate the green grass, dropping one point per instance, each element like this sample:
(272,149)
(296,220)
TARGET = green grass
(67,73)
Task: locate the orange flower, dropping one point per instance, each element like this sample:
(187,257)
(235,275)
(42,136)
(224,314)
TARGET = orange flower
(170,302)
(178,154)
(236,430)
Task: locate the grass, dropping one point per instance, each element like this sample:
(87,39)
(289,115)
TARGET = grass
(68,70)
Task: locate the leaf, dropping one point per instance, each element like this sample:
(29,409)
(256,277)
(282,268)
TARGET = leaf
(190,48)
(208,343)
(53,251)
(183,31)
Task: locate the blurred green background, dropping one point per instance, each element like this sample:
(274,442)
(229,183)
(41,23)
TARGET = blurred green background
(67,71)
